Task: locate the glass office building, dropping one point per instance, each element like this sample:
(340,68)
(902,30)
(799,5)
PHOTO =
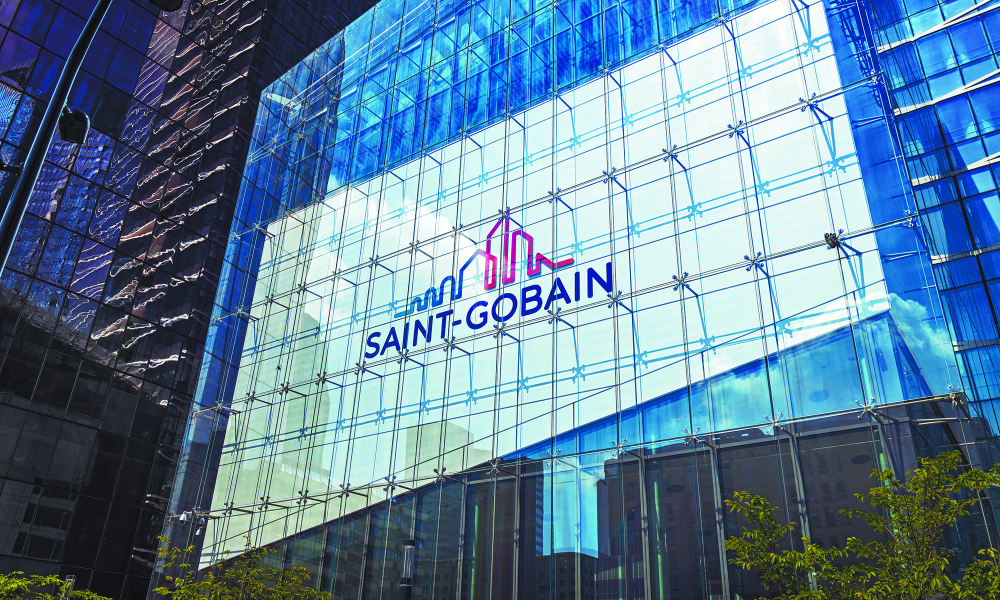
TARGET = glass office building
(105,302)
(539,285)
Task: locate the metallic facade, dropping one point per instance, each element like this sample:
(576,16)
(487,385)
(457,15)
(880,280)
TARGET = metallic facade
(540,285)
(107,296)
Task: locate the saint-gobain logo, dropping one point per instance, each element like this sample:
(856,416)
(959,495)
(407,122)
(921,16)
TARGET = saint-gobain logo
(501,269)
(506,270)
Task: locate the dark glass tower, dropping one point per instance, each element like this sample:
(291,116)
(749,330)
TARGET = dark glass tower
(106,301)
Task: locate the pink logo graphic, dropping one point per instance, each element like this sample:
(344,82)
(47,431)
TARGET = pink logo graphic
(508,245)
(503,267)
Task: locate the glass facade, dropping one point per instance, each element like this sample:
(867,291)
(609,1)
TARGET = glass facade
(939,64)
(540,284)
(105,303)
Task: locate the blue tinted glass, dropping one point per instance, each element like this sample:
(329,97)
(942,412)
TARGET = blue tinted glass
(930,164)
(921,132)
(969,41)
(43,78)
(975,182)
(918,93)
(903,66)
(84,94)
(956,119)
(937,192)
(967,153)
(936,53)
(915,6)
(80,7)
(979,69)
(113,21)
(28,245)
(984,217)
(992,142)
(991,21)
(948,230)
(63,33)
(7,11)
(925,20)
(945,83)
(138,28)
(77,203)
(951,8)
(969,323)
(957,273)
(124,68)
(107,220)
(990,262)
(986,104)
(33,19)
(99,55)
(16,49)
(60,256)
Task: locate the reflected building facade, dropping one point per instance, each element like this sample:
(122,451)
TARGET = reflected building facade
(541,284)
(105,303)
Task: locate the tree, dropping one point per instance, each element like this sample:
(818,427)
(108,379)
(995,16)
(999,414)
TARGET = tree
(907,560)
(18,586)
(245,577)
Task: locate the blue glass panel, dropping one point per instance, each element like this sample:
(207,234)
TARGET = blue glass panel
(7,11)
(957,273)
(913,95)
(967,153)
(414,57)
(60,256)
(936,53)
(902,65)
(124,68)
(28,245)
(63,33)
(541,54)
(969,323)
(990,262)
(99,54)
(949,234)
(920,131)
(138,27)
(115,18)
(77,203)
(34,18)
(46,73)
(986,104)
(925,20)
(108,216)
(952,8)
(956,119)
(984,218)
(979,69)
(974,182)
(937,192)
(92,270)
(16,49)
(945,83)
(991,21)
(85,91)
(969,41)
(983,375)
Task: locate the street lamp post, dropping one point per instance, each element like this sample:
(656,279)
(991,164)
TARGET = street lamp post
(71,121)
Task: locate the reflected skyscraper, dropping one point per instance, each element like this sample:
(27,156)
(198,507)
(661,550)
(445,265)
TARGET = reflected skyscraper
(107,298)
